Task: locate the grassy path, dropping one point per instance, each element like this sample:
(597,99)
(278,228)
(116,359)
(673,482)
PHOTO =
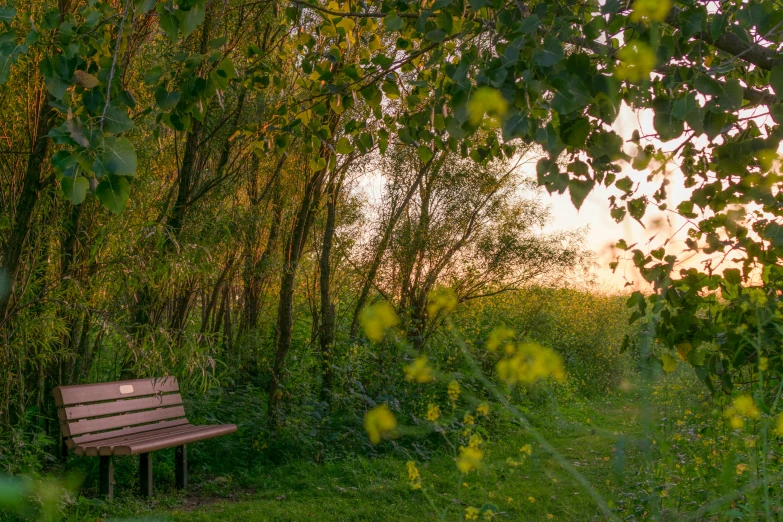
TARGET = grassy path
(361,489)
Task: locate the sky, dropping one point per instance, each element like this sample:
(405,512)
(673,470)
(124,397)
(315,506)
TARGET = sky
(603,232)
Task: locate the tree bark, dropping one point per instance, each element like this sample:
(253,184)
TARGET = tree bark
(31,188)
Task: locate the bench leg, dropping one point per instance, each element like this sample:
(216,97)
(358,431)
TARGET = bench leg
(145,474)
(106,481)
(181,466)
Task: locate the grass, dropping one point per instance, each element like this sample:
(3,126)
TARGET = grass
(585,432)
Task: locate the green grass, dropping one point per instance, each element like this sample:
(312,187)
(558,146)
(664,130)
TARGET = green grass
(364,489)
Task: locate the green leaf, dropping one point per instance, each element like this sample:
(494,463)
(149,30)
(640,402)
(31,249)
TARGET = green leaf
(167,21)
(117,157)
(224,73)
(732,276)
(667,127)
(7,14)
(692,22)
(579,189)
(550,54)
(153,75)
(189,20)
(424,153)
(75,189)
(113,193)
(164,99)
(116,120)
(392,22)
(776,80)
(344,146)
(574,132)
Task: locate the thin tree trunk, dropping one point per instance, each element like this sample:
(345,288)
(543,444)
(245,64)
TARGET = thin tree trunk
(326,333)
(25,207)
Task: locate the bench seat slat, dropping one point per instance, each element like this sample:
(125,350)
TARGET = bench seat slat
(106,391)
(125,439)
(98,409)
(92,437)
(205,432)
(159,439)
(120,421)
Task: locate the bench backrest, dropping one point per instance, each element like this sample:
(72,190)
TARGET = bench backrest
(92,412)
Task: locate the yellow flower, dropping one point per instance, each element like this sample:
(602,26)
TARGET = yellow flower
(741,468)
(498,337)
(469,458)
(376,319)
(413,475)
(531,499)
(550,516)
(655,10)
(527,449)
(475,441)
(419,370)
(471,513)
(779,425)
(531,363)
(454,391)
(433,412)
(763,364)
(482,409)
(637,61)
(742,407)
(489,514)
(441,299)
(469,419)
(380,423)
(486,100)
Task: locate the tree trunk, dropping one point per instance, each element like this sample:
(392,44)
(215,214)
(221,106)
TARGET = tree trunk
(28,198)
(326,333)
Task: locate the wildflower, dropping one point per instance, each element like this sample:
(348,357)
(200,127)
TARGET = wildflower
(741,468)
(482,409)
(742,407)
(471,513)
(376,319)
(441,299)
(550,516)
(454,391)
(531,499)
(419,370)
(433,412)
(413,475)
(489,514)
(527,449)
(654,10)
(498,337)
(486,100)
(469,458)
(380,423)
(475,441)
(763,364)
(637,61)
(469,419)
(779,425)
(531,363)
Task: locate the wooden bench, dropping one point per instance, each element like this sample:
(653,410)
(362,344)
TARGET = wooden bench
(129,418)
